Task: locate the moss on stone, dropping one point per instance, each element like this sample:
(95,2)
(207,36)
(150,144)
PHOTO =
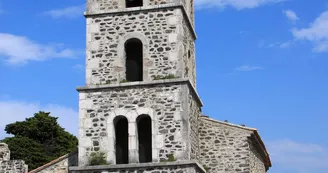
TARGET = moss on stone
(160,77)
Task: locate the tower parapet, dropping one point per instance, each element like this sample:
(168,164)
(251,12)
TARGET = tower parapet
(108,6)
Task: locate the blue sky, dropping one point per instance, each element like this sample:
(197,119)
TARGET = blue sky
(262,63)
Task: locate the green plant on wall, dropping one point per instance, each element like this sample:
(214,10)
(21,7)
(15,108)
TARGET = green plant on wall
(170,158)
(97,158)
(160,77)
(206,168)
(124,81)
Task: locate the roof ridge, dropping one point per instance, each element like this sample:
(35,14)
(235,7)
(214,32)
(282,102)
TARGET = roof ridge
(52,162)
(230,124)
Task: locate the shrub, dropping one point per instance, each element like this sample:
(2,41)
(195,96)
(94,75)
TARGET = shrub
(97,159)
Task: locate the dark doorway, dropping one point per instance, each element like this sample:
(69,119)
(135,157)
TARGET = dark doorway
(133,3)
(144,138)
(122,136)
(133,50)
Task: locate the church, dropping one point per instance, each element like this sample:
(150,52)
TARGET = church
(140,106)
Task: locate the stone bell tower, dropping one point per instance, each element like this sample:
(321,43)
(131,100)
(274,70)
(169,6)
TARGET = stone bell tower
(139,103)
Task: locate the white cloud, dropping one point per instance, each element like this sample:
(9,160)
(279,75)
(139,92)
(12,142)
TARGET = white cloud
(278,44)
(238,4)
(248,68)
(19,50)
(286,44)
(79,66)
(12,111)
(300,157)
(69,12)
(317,33)
(291,15)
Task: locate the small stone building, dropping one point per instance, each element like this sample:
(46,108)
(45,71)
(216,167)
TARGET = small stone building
(10,166)
(140,106)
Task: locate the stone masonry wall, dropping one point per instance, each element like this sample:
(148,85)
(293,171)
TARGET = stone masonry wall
(13,166)
(60,165)
(10,166)
(194,115)
(166,104)
(256,160)
(103,6)
(224,148)
(161,33)
(174,167)
(4,152)
(189,57)
(149,170)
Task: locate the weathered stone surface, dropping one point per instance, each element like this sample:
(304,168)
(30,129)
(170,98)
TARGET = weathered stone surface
(10,166)
(173,108)
(169,167)
(168,45)
(227,148)
(4,152)
(165,28)
(60,165)
(256,160)
(105,6)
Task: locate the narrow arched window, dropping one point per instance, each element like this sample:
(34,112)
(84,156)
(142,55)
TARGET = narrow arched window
(134,68)
(133,3)
(144,138)
(122,140)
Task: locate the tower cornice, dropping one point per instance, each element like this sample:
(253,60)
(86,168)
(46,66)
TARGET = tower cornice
(148,8)
(142,83)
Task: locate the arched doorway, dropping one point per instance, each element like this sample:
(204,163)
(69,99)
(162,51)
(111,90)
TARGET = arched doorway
(144,138)
(134,66)
(122,140)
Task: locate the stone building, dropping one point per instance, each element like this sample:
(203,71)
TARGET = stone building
(10,166)
(140,106)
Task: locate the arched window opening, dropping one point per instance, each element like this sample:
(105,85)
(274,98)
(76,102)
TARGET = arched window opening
(134,68)
(122,140)
(133,3)
(144,138)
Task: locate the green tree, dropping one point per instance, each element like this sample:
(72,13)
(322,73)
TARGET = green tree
(39,140)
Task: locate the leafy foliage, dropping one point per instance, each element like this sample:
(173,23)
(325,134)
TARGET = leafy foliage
(39,140)
(97,158)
